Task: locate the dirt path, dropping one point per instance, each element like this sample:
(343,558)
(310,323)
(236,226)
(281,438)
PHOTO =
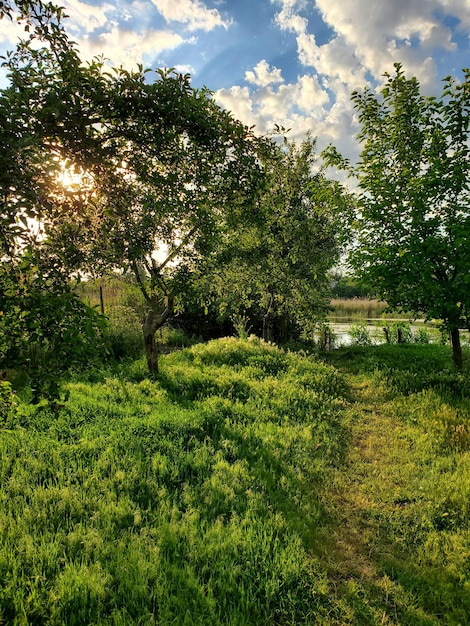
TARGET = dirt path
(367,493)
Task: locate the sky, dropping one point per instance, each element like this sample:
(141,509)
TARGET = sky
(289,62)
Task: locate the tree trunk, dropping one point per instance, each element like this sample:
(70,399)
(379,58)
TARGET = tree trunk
(152,323)
(149,328)
(456,347)
(267,319)
(154,320)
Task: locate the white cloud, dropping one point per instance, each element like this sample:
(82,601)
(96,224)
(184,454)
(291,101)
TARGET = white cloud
(237,100)
(370,36)
(84,17)
(193,13)
(262,75)
(126,47)
(298,105)
(335,60)
(10,33)
(381,33)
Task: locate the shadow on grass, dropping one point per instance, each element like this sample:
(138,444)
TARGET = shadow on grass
(407,368)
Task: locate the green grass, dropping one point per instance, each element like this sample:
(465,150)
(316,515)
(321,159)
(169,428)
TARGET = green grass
(191,498)
(243,485)
(398,543)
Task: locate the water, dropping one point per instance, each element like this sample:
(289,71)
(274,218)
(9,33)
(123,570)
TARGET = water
(375,329)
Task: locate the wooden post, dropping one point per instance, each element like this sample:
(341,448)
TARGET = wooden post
(101,300)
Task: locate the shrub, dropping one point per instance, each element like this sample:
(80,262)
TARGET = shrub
(360,335)
(326,337)
(124,333)
(8,401)
(422,336)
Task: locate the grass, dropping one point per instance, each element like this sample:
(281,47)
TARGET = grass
(192,498)
(398,543)
(243,485)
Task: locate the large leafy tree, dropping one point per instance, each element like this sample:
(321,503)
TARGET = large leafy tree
(158,167)
(413,224)
(278,264)
(174,168)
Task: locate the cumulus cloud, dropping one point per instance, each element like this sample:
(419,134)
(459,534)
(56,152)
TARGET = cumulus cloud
(10,32)
(369,37)
(298,105)
(192,13)
(237,100)
(84,17)
(262,75)
(127,47)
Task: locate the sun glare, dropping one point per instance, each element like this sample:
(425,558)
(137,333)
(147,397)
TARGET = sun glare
(73,178)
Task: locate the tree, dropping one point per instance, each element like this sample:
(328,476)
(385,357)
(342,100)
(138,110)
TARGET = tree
(180,169)
(44,328)
(413,223)
(279,263)
(159,167)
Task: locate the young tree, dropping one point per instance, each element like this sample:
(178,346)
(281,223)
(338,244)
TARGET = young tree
(413,222)
(279,263)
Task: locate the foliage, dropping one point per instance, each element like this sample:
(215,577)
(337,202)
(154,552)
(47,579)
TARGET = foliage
(241,325)
(8,401)
(360,335)
(158,165)
(326,338)
(124,333)
(413,222)
(401,332)
(278,264)
(45,330)
(350,287)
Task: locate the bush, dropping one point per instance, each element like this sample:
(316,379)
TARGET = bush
(360,336)
(326,337)
(8,401)
(45,330)
(422,336)
(125,335)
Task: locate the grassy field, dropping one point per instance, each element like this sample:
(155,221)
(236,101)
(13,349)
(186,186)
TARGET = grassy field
(243,485)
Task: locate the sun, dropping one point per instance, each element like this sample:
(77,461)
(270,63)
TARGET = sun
(73,177)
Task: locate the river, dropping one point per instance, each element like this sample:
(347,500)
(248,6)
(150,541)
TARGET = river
(375,328)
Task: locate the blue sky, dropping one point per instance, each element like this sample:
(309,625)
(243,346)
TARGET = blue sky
(290,62)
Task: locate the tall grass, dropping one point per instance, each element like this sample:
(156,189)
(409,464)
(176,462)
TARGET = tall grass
(242,485)
(407,485)
(357,309)
(189,499)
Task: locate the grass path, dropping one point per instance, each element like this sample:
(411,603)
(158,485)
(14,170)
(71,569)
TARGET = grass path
(372,502)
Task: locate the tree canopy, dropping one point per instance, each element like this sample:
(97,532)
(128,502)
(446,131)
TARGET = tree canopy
(278,264)
(413,222)
(160,166)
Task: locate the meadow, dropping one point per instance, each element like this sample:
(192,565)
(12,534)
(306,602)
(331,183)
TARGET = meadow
(242,485)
